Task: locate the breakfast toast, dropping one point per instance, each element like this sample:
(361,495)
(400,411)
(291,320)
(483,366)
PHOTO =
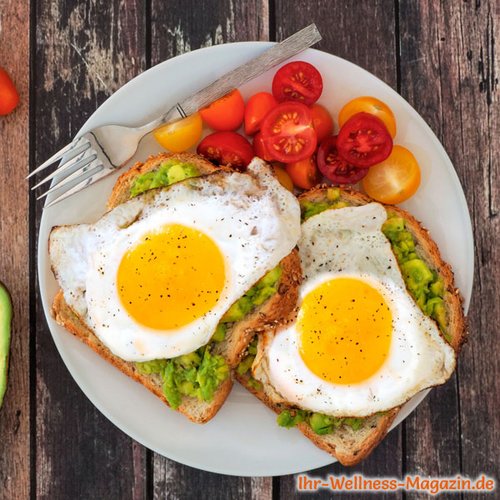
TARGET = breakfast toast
(238,334)
(351,445)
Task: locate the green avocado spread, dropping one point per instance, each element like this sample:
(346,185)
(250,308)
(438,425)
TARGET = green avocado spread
(200,373)
(169,172)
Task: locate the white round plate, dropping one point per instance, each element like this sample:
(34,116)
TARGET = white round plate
(243,439)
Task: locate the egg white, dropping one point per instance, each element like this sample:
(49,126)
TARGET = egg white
(348,242)
(252,219)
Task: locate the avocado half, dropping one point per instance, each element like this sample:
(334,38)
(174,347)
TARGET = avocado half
(5,324)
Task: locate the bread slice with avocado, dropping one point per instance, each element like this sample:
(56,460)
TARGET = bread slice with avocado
(428,279)
(198,383)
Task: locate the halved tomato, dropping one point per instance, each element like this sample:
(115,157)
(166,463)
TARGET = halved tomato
(288,133)
(260,149)
(372,105)
(180,135)
(364,140)
(303,173)
(322,121)
(256,109)
(335,168)
(225,113)
(298,81)
(395,179)
(226,148)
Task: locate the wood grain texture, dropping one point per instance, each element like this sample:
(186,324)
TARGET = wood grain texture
(84,52)
(449,75)
(14,261)
(434,427)
(177,27)
(355,34)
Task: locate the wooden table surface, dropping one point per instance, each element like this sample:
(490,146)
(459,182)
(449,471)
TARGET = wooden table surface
(68,56)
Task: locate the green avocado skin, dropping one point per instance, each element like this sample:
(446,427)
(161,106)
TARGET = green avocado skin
(5,324)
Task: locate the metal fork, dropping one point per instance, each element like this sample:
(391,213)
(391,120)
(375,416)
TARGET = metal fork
(103,150)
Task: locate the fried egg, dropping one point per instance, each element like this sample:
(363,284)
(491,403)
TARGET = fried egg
(154,276)
(359,344)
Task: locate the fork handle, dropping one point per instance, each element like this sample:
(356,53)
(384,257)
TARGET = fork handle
(268,59)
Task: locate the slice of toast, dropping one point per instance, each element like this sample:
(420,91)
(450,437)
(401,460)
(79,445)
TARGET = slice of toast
(237,336)
(347,445)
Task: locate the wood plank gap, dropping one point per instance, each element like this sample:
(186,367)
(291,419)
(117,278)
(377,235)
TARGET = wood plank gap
(147,33)
(272,20)
(32,250)
(397,41)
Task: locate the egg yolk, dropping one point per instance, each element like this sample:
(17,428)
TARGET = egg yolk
(345,329)
(171,277)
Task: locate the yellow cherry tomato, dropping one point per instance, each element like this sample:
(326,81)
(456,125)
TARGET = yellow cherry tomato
(395,179)
(180,135)
(367,104)
(283,177)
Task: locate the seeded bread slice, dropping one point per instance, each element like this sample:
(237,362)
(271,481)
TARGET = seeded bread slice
(347,445)
(237,336)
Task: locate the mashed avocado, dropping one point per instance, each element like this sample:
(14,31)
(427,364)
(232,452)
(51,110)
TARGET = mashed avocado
(169,172)
(197,374)
(321,424)
(426,287)
(310,208)
(265,288)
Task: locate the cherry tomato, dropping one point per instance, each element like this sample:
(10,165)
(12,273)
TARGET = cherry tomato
(364,140)
(303,173)
(287,132)
(283,177)
(259,148)
(226,148)
(180,135)
(322,121)
(9,98)
(256,109)
(298,81)
(335,168)
(395,179)
(370,105)
(225,113)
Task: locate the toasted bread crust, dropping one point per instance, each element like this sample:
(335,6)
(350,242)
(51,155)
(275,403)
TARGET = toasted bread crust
(351,451)
(276,307)
(270,314)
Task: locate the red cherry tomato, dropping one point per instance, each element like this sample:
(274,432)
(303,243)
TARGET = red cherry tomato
(303,173)
(9,98)
(364,140)
(226,148)
(322,121)
(259,148)
(257,108)
(298,81)
(225,113)
(335,168)
(288,133)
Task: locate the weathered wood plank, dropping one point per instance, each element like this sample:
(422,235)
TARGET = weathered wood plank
(433,429)
(363,33)
(177,27)
(448,74)
(84,52)
(14,263)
